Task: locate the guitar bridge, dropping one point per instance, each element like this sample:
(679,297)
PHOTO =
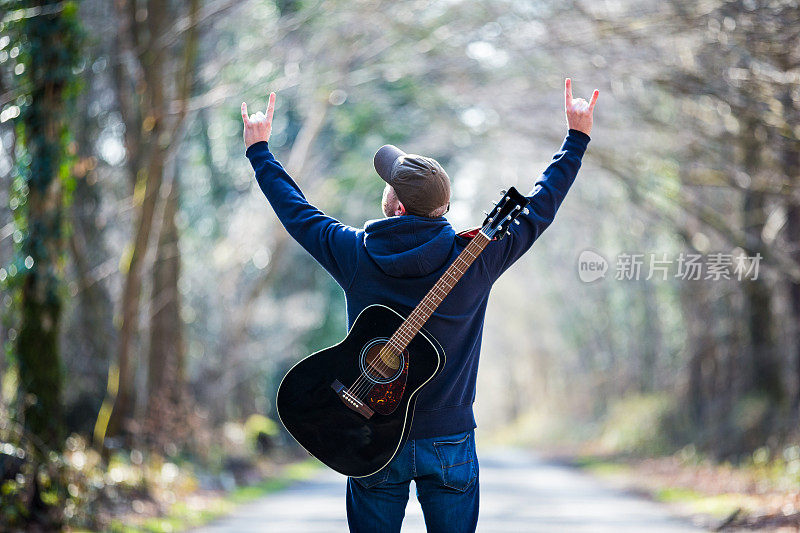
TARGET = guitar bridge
(351,400)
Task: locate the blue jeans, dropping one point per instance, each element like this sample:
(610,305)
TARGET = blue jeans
(445,471)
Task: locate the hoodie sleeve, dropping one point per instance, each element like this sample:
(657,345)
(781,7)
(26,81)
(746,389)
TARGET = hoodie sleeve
(546,197)
(330,242)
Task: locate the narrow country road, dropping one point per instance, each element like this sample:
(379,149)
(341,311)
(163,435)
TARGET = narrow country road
(519,493)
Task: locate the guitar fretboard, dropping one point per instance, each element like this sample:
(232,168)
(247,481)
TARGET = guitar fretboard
(411,326)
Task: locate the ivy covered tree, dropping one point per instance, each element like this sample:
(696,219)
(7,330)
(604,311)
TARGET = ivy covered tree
(47,35)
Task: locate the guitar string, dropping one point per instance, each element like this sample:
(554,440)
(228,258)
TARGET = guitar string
(363,385)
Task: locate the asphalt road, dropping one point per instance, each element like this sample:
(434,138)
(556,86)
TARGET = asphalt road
(519,493)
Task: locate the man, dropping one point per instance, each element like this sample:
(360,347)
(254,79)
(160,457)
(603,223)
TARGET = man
(395,261)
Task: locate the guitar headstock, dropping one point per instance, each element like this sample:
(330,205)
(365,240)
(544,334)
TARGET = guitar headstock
(504,213)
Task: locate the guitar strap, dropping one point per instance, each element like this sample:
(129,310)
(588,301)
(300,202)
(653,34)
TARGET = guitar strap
(469,234)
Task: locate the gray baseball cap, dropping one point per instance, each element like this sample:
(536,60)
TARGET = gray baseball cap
(420,182)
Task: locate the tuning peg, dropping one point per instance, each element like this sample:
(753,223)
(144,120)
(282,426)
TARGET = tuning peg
(485,213)
(526,211)
(516,222)
(508,232)
(503,191)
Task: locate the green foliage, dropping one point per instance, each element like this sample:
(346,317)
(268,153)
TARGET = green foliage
(640,425)
(68,485)
(600,466)
(258,430)
(50,48)
(718,506)
(181,516)
(781,467)
(750,413)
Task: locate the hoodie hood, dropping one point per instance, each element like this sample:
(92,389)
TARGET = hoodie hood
(409,246)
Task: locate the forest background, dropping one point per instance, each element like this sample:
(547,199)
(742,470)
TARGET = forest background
(151,301)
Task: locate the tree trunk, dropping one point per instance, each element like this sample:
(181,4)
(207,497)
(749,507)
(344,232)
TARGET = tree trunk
(89,331)
(166,400)
(53,51)
(652,336)
(765,369)
(790,163)
(165,378)
(119,410)
(793,234)
(700,345)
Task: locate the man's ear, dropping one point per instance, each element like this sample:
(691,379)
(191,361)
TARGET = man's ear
(400,210)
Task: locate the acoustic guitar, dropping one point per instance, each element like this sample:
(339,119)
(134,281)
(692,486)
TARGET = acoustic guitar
(351,405)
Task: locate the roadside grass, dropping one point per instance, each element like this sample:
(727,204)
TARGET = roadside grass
(717,506)
(198,510)
(600,467)
(623,473)
(634,447)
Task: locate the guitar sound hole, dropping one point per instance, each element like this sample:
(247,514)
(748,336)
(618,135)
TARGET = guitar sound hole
(380,363)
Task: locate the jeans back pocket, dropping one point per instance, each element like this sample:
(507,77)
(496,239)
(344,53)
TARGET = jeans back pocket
(458,461)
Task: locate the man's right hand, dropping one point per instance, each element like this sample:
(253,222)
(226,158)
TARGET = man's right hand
(258,127)
(579,112)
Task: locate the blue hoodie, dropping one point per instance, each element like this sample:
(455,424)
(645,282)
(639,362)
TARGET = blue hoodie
(395,261)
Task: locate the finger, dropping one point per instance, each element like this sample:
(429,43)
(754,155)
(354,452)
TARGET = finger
(245,117)
(270,107)
(595,94)
(568,92)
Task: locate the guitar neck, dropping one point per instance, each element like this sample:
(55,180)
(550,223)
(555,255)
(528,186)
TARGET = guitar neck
(411,326)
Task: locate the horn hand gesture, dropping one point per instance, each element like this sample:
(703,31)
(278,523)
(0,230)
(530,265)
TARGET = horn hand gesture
(258,127)
(579,111)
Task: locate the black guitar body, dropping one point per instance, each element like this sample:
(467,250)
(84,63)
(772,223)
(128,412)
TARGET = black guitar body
(349,416)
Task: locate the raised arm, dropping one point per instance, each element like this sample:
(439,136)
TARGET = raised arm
(330,242)
(550,189)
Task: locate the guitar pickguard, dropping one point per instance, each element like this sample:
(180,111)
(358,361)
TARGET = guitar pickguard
(385,397)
